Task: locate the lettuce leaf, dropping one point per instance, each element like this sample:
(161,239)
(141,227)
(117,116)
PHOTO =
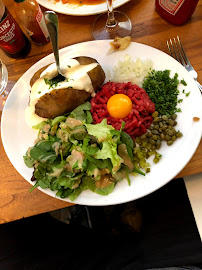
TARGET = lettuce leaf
(82,113)
(100,131)
(43,152)
(109,150)
(90,183)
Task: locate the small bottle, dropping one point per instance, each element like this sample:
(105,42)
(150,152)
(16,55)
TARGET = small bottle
(30,15)
(176,12)
(13,41)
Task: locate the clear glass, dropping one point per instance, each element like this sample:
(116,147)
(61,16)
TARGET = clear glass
(112,24)
(5,85)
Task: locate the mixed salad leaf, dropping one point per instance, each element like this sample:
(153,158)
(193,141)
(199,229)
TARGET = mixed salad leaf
(71,155)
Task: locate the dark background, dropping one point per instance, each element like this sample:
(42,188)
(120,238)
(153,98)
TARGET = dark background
(156,231)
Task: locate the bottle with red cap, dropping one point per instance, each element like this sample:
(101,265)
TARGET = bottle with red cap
(30,15)
(176,12)
(13,41)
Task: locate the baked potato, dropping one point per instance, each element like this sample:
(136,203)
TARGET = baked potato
(63,100)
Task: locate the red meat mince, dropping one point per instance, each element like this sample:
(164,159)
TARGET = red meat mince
(139,119)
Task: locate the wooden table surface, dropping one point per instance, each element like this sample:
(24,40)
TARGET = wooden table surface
(148,28)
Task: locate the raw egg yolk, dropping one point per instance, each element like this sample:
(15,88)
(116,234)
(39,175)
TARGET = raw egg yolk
(119,106)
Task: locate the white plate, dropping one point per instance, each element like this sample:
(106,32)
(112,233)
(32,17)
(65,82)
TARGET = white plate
(79,10)
(17,136)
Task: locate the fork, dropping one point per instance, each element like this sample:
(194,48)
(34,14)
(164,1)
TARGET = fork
(177,51)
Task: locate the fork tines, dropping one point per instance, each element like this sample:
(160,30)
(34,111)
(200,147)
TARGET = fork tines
(177,51)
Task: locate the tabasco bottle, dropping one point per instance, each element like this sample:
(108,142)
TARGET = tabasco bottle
(176,12)
(13,41)
(30,15)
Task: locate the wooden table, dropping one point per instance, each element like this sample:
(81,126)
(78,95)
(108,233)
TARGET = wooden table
(148,28)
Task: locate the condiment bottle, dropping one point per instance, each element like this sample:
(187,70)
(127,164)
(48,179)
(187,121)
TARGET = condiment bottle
(13,41)
(30,15)
(176,12)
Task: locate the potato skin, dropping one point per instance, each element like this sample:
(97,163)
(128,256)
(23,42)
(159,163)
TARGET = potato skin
(61,101)
(96,75)
(36,75)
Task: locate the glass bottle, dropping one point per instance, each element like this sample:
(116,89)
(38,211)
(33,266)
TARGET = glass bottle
(31,16)
(176,12)
(13,41)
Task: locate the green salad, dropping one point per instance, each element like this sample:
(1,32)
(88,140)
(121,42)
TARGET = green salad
(71,155)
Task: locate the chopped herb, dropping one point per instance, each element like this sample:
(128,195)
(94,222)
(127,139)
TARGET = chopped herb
(39,92)
(46,80)
(54,81)
(183,82)
(163,91)
(180,100)
(68,66)
(70,87)
(187,94)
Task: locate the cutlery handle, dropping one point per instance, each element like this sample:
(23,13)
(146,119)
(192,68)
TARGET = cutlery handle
(51,20)
(199,86)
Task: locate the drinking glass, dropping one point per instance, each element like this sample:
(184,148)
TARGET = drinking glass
(5,85)
(112,24)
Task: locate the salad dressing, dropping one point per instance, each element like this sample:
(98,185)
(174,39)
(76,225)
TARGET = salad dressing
(76,77)
(105,181)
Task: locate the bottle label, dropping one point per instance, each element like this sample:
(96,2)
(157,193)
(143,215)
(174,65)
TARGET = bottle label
(11,36)
(40,19)
(171,6)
